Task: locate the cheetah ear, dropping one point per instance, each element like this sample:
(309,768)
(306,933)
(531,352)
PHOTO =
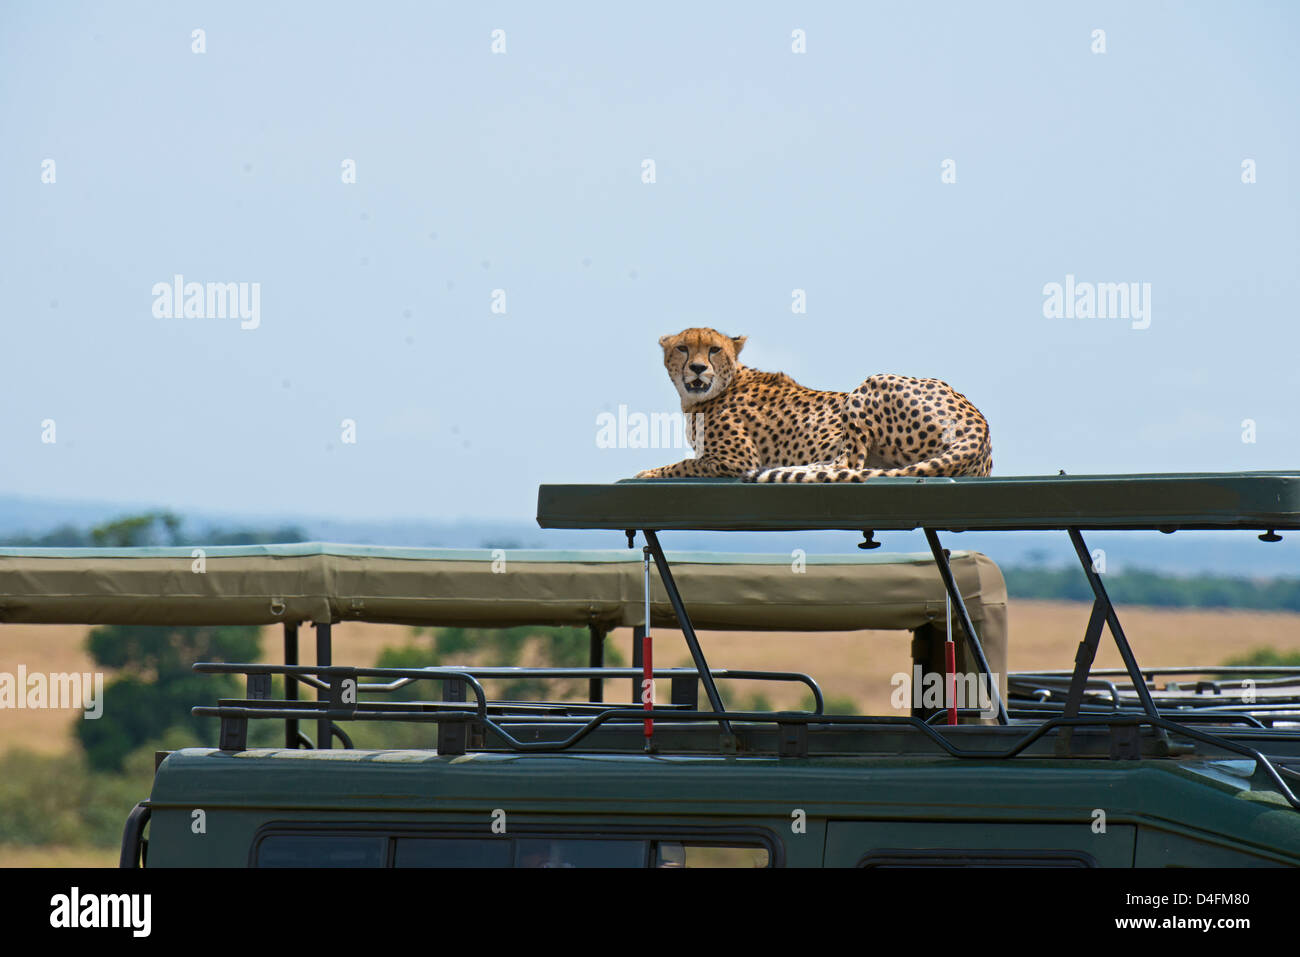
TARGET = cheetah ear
(738,342)
(664,340)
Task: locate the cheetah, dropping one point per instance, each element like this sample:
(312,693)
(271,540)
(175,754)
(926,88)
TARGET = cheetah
(765,427)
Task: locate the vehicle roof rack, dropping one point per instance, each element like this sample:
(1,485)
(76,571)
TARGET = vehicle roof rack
(1263,696)
(468,720)
(1265,501)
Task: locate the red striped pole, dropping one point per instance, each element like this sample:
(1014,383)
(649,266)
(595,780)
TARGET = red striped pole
(647,657)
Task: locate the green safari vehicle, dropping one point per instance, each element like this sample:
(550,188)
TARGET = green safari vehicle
(1070,769)
(1053,771)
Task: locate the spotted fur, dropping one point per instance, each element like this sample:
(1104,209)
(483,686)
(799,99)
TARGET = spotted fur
(765,427)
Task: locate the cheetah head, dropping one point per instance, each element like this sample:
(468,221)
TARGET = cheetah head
(701,363)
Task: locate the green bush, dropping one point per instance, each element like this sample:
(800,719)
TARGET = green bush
(754,702)
(832,704)
(1262,657)
(60,799)
(156,686)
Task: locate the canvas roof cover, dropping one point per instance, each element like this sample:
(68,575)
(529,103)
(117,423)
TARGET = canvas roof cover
(268,584)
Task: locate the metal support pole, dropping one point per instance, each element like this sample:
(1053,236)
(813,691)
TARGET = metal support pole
(949,661)
(596,659)
(1083,659)
(647,656)
(1125,652)
(688,630)
(638,660)
(972,639)
(290,683)
(324,656)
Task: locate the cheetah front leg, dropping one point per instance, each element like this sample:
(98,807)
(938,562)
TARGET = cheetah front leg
(697,468)
(735,463)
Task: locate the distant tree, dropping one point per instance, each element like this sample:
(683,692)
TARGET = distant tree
(754,702)
(149,528)
(282,534)
(156,686)
(65,536)
(1140,587)
(831,704)
(153,528)
(1263,657)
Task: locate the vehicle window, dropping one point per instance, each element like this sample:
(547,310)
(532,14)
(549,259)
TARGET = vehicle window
(675,854)
(563,852)
(452,852)
(322,850)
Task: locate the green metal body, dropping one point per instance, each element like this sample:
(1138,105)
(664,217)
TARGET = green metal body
(1163,501)
(834,811)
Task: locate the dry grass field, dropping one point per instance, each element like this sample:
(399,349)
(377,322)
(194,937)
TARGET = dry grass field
(19,855)
(854,665)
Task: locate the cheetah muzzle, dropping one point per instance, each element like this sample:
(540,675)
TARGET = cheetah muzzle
(765,427)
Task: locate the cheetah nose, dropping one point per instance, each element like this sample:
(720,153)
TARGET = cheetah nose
(697,367)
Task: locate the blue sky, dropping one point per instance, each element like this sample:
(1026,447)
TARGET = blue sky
(522,171)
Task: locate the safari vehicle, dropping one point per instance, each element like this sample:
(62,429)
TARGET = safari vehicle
(292,585)
(1167,776)
(1062,770)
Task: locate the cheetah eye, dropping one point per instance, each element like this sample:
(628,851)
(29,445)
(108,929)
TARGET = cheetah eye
(682,349)
(714,350)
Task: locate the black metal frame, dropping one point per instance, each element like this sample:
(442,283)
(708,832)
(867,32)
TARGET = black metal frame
(1124,727)
(688,630)
(968,626)
(596,659)
(1103,611)
(1102,608)
(1276,687)
(975,857)
(134,846)
(697,654)
(330,706)
(326,730)
(291,734)
(451,712)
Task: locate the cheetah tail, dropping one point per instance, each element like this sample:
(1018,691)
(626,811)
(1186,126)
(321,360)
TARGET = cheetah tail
(949,463)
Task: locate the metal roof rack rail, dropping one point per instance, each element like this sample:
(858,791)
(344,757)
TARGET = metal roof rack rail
(1264,696)
(582,719)
(339,688)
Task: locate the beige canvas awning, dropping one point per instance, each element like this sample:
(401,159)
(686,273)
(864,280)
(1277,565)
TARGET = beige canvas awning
(271,584)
